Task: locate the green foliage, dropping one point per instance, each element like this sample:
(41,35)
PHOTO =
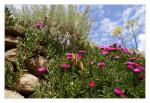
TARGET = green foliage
(10,20)
(10,75)
(73,83)
(65,24)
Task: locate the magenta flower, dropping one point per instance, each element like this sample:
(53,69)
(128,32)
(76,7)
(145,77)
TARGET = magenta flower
(119,92)
(116,57)
(82,51)
(69,55)
(91,62)
(138,69)
(65,66)
(39,25)
(105,52)
(125,50)
(132,63)
(101,64)
(79,56)
(92,84)
(42,70)
(131,59)
(111,48)
(130,67)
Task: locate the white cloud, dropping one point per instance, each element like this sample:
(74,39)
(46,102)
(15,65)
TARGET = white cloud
(107,26)
(141,43)
(126,14)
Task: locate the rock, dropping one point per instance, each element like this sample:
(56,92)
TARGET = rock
(15,31)
(12,94)
(27,83)
(10,42)
(11,55)
(34,63)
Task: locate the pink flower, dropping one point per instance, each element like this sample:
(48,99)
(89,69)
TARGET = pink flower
(92,62)
(130,66)
(125,50)
(92,84)
(116,57)
(65,66)
(131,59)
(82,51)
(105,52)
(138,69)
(111,48)
(39,25)
(42,70)
(79,56)
(69,55)
(101,64)
(119,92)
(132,63)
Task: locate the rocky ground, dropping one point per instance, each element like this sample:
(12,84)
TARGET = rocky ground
(27,81)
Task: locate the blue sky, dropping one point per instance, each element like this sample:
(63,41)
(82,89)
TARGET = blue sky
(106,17)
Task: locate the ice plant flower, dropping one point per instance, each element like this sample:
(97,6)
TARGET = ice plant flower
(119,92)
(39,25)
(101,64)
(105,52)
(131,59)
(42,70)
(130,67)
(91,62)
(82,51)
(69,55)
(92,84)
(138,69)
(79,56)
(65,66)
(116,57)
(125,50)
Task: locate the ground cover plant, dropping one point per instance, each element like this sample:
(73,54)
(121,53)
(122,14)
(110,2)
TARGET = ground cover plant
(52,45)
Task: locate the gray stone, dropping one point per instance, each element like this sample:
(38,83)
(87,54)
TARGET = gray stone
(13,94)
(27,83)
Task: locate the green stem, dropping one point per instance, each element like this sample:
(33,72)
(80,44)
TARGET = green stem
(122,40)
(134,38)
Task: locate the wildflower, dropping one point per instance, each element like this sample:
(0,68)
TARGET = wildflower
(65,66)
(105,52)
(82,51)
(138,69)
(125,50)
(131,59)
(92,84)
(116,57)
(130,66)
(79,56)
(117,31)
(141,77)
(101,64)
(69,55)
(91,62)
(132,63)
(42,70)
(39,25)
(111,48)
(119,92)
